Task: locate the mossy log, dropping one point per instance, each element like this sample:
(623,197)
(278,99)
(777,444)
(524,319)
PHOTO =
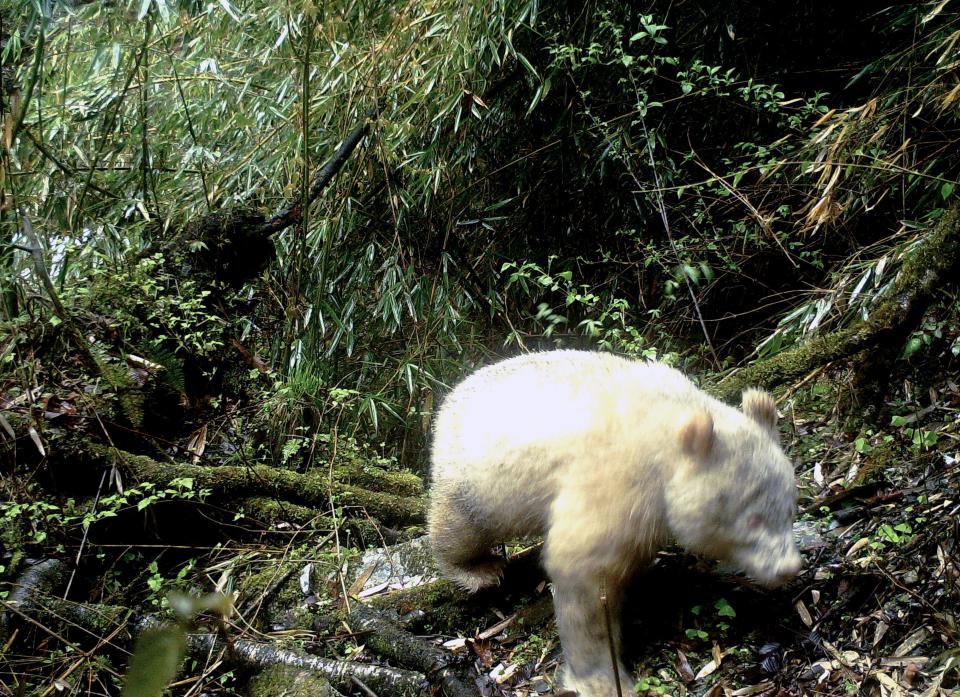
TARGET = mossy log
(441,607)
(289,682)
(390,640)
(104,620)
(314,489)
(931,264)
(383,680)
(37,580)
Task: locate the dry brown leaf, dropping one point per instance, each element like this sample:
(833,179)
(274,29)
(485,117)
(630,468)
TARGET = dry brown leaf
(950,97)
(818,474)
(909,675)
(684,668)
(911,642)
(879,631)
(935,11)
(361,580)
(455,644)
(502,674)
(828,184)
(888,685)
(35,437)
(373,590)
(826,670)
(707,668)
(823,134)
(716,690)
(717,654)
(141,362)
(857,546)
(823,119)
(938,677)
(947,49)
(905,661)
(804,613)
(8,121)
(847,659)
(482,650)
(197,444)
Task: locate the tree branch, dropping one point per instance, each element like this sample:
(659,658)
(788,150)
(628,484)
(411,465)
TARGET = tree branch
(294,212)
(933,262)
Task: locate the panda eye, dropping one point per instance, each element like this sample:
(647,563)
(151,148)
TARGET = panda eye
(754,522)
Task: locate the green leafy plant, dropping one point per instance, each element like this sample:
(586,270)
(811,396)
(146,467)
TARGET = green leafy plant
(651,685)
(722,610)
(159,651)
(920,439)
(923,337)
(36,521)
(896,534)
(604,319)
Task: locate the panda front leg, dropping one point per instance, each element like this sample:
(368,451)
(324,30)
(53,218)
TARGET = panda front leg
(588,573)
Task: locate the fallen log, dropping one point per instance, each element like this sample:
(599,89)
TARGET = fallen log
(289,682)
(388,639)
(38,579)
(315,489)
(105,620)
(383,680)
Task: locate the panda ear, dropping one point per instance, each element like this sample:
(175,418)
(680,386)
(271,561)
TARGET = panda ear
(696,436)
(759,406)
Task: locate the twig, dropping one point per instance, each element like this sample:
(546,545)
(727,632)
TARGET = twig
(294,212)
(760,218)
(673,245)
(614,659)
(40,267)
(83,540)
(340,673)
(386,638)
(362,686)
(69,170)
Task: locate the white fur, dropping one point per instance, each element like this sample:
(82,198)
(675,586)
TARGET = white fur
(608,458)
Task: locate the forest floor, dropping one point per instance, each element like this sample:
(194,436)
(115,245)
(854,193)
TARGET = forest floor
(874,611)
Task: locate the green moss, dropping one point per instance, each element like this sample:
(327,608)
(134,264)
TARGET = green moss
(882,457)
(448,609)
(288,681)
(269,511)
(274,587)
(928,265)
(313,488)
